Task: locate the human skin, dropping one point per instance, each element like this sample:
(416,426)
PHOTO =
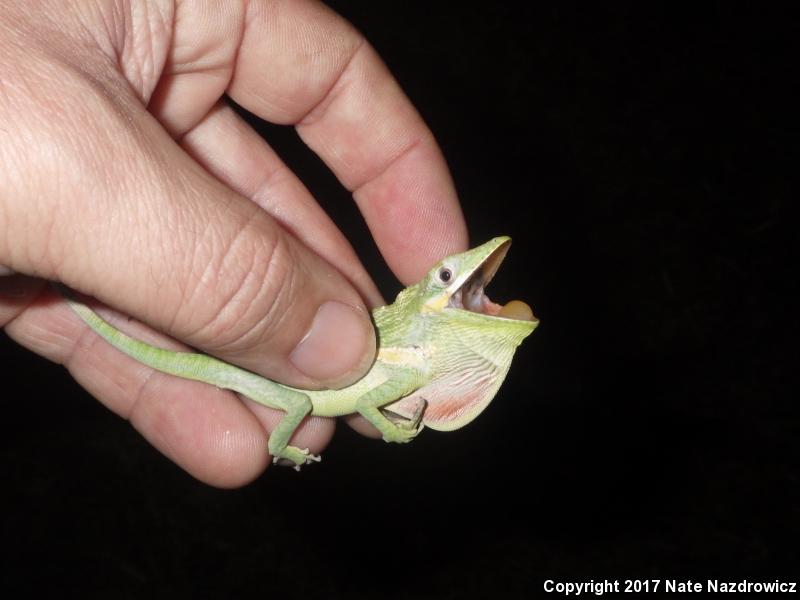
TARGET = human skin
(125,175)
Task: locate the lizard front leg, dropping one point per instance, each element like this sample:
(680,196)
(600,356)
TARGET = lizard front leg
(369,406)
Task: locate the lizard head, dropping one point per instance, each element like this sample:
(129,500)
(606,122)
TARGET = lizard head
(459,282)
(471,339)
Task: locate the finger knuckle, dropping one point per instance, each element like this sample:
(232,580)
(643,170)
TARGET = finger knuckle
(253,285)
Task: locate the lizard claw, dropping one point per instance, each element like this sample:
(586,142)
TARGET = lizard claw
(416,418)
(295,457)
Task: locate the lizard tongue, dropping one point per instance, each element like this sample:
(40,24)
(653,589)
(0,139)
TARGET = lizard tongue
(516,309)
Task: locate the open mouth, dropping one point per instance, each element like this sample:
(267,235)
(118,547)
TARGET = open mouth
(471,295)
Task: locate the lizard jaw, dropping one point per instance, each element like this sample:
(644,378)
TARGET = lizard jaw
(471,296)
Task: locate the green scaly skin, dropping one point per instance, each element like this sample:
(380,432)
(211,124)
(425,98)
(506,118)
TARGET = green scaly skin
(438,364)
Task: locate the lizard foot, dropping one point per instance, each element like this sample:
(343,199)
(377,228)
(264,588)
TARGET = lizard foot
(294,457)
(406,430)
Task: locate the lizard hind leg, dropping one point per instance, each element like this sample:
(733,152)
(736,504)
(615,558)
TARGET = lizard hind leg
(294,457)
(294,403)
(297,406)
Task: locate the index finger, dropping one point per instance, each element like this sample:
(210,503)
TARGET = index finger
(300,63)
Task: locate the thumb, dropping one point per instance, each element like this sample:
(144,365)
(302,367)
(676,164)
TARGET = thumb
(107,203)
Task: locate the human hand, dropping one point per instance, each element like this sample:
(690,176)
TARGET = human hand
(125,175)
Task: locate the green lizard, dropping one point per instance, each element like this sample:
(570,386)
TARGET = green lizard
(443,350)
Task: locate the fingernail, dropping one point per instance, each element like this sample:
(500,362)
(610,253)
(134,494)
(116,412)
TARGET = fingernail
(336,346)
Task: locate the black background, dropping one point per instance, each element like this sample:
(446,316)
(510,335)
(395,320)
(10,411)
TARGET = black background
(643,160)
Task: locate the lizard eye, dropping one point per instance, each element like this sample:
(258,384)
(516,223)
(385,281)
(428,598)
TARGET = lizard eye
(445,275)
